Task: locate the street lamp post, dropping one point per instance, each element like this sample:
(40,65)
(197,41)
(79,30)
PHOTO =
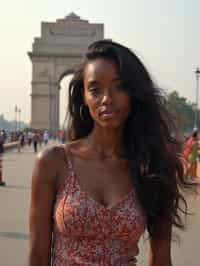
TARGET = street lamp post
(197,73)
(16,110)
(19,111)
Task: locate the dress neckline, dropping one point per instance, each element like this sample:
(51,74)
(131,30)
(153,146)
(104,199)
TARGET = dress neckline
(86,193)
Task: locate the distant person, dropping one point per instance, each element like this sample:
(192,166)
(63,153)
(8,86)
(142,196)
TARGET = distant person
(21,139)
(41,138)
(191,154)
(4,135)
(29,137)
(1,142)
(62,136)
(9,137)
(35,140)
(46,137)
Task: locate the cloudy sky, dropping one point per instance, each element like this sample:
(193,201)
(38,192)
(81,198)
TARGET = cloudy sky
(164,34)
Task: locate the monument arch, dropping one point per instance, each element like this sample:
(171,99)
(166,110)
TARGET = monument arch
(54,55)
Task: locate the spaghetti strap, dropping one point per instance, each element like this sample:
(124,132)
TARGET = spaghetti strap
(68,158)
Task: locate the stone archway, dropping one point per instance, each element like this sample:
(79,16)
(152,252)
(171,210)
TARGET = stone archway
(54,54)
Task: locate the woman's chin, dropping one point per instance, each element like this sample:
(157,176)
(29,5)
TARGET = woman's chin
(109,124)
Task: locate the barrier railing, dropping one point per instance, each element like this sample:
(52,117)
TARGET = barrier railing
(10,145)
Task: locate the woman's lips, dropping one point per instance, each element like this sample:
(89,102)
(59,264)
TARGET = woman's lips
(107,114)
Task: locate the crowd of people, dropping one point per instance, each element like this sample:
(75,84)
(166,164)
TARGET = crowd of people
(189,145)
(33,138)
(37,137)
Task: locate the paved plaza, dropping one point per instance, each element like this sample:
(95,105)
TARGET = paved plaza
(14,206)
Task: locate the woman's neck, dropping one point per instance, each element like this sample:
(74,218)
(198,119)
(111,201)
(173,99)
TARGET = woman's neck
(106,141)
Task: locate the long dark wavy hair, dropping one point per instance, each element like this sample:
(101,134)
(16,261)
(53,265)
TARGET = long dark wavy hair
(156,168)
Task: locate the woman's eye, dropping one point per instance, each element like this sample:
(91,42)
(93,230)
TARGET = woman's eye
(94,90)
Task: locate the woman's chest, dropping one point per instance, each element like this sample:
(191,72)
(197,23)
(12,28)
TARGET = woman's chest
(106,182)
(77,214)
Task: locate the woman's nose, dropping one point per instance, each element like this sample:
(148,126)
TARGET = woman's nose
(107,97)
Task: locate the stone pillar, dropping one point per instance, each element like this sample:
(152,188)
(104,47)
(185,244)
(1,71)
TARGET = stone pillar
(54,107)
(41,104)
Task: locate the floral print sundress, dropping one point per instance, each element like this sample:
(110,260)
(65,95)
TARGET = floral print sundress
(88,233)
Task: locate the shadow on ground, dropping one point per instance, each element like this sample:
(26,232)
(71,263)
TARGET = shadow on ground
(16,187)
(14,235)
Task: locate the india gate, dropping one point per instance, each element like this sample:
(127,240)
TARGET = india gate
(54,55)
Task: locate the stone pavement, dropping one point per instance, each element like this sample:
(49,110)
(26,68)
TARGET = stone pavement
(14,206)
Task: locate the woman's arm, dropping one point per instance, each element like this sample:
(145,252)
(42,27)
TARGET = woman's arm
(42,198)
(160,247)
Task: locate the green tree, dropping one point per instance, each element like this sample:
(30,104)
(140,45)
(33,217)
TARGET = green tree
(183,112)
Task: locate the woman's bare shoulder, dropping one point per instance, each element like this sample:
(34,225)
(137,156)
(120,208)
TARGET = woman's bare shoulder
(56,155)
(51,159)
(47,168)
(52,153)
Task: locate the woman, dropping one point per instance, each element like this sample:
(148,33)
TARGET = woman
(93,198)
(191,155)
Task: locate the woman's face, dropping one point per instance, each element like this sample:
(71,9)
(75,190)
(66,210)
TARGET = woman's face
(104,94)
